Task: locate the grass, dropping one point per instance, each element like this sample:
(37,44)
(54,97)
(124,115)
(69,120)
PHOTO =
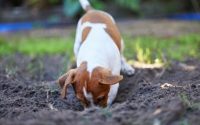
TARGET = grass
(153,50)
(144,49)
(36,46)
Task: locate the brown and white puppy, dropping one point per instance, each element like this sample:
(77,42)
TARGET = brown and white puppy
(98,47)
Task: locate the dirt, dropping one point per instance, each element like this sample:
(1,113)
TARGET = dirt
(30,96)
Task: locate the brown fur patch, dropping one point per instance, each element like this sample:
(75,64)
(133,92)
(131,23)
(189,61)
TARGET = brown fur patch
(81,78)
(95,16)
(98,90)
(85,33)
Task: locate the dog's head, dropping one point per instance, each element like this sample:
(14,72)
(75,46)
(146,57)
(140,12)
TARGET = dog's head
(90,88)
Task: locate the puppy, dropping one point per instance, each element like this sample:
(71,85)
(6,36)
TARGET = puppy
(98,50)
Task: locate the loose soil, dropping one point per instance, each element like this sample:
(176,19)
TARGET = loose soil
(30,96)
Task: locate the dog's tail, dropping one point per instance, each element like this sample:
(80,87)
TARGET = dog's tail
(85,5)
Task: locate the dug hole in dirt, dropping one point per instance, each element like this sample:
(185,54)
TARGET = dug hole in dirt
(28,95)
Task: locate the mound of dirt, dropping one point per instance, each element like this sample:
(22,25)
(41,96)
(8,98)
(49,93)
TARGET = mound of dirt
(29,95)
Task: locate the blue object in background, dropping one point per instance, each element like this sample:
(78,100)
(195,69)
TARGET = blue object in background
(9,27)
(6,27)
(186,16)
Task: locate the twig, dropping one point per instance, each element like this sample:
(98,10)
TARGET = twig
(49,104)
(147,66)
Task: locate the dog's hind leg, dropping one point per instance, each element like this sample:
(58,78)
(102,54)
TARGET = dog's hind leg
(125,67)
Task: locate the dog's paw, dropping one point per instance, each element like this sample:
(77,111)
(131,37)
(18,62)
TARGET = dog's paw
(128,70)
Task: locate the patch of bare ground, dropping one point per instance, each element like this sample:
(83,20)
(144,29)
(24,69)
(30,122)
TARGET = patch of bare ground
(29,95)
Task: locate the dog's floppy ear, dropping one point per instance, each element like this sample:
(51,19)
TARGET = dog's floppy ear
(111,79)
(65,80)
(107,77)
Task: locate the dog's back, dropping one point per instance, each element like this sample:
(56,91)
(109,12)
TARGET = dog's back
(96,16)
(99,39)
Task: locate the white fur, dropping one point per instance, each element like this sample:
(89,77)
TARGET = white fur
(84,3)
(77,43)
(112,93)
(99,49)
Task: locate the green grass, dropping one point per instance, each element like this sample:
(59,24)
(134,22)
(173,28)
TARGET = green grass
(150,50)
(34,46)
(144,49)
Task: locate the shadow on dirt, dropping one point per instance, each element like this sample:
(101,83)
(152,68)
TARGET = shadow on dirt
(29,95)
